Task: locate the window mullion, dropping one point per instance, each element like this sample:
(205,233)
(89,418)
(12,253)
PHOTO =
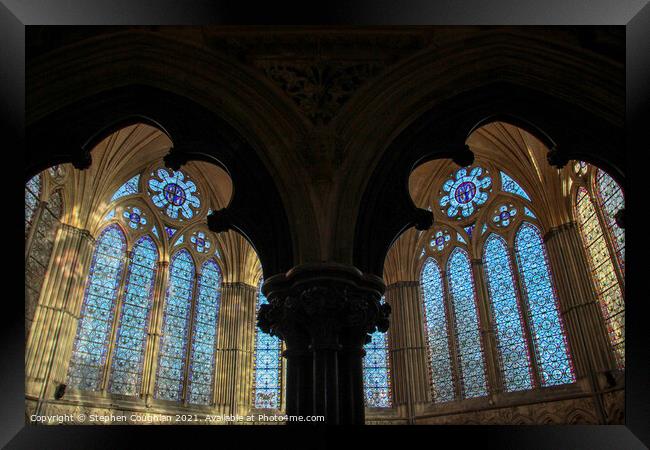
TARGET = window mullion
(116,318)
(607,236)
(451,335)
(525,310)
(190,336)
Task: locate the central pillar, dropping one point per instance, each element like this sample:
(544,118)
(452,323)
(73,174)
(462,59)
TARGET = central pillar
(324,313)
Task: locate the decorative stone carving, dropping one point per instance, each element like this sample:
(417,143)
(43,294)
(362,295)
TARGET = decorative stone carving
(557,158)
(320,88)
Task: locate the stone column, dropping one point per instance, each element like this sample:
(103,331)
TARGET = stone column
(233,380)
(324,313)
(487,330)
(578,302)
(153,336)
(592,355)
(49,346)
(408,348)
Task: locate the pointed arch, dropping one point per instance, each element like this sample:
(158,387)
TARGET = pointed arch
(128,354)
(514,356)
(175,327)
(204,334)
(435,318)
(267,385)
(467,325)
(508,184)
(93,332)
(129,187)
(547,330)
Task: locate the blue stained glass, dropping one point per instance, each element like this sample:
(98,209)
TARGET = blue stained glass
(32,196)
(170,231)
(200,241)
(470,229)
(268,364)
(174,193)
(459,238)
(154,230)
(440,240)
(546,327)
(529,213)
(128,188)
(504,215)
(206,313)
(484,229)
(376,371)
(467,325)
(179,241)
(128,357)
(174,339)
(134,217)
(97,312)
(109,216)
(464,192)
(511,186)
(511,341)
(437,332)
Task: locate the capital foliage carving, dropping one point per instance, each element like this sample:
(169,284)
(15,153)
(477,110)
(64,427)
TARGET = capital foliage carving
(324,313)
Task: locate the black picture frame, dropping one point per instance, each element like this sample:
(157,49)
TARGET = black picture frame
(15,15)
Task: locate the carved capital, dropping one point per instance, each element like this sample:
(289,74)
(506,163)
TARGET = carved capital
(556,158)
(463,156)
(326,308)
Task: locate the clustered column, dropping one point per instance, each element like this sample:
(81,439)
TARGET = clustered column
(324,314)
(49,345)
(408,349)
(235,348)
(592,355)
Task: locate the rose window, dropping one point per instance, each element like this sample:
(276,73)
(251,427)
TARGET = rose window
(464,192)
(174,193)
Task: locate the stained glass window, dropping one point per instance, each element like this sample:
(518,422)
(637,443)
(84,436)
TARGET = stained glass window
(466,325)
(459,238)
(128,188)
(510,335)
(437,332)
(504,215)
(32,196)
(109,215)
(376,371)
(464,192)
(608,289)
(170,231)
(268,368)
(200,241)
(175,328)
(204,334)
(174,193)
(470,229)
(542,308)
(511,186)
(440,240)
(94,329)
(128,357)
(611,201)
(529,213)
(134,217)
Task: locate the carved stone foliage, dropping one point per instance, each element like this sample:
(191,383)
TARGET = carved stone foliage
(320,88)
(323,311)
(566,412)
